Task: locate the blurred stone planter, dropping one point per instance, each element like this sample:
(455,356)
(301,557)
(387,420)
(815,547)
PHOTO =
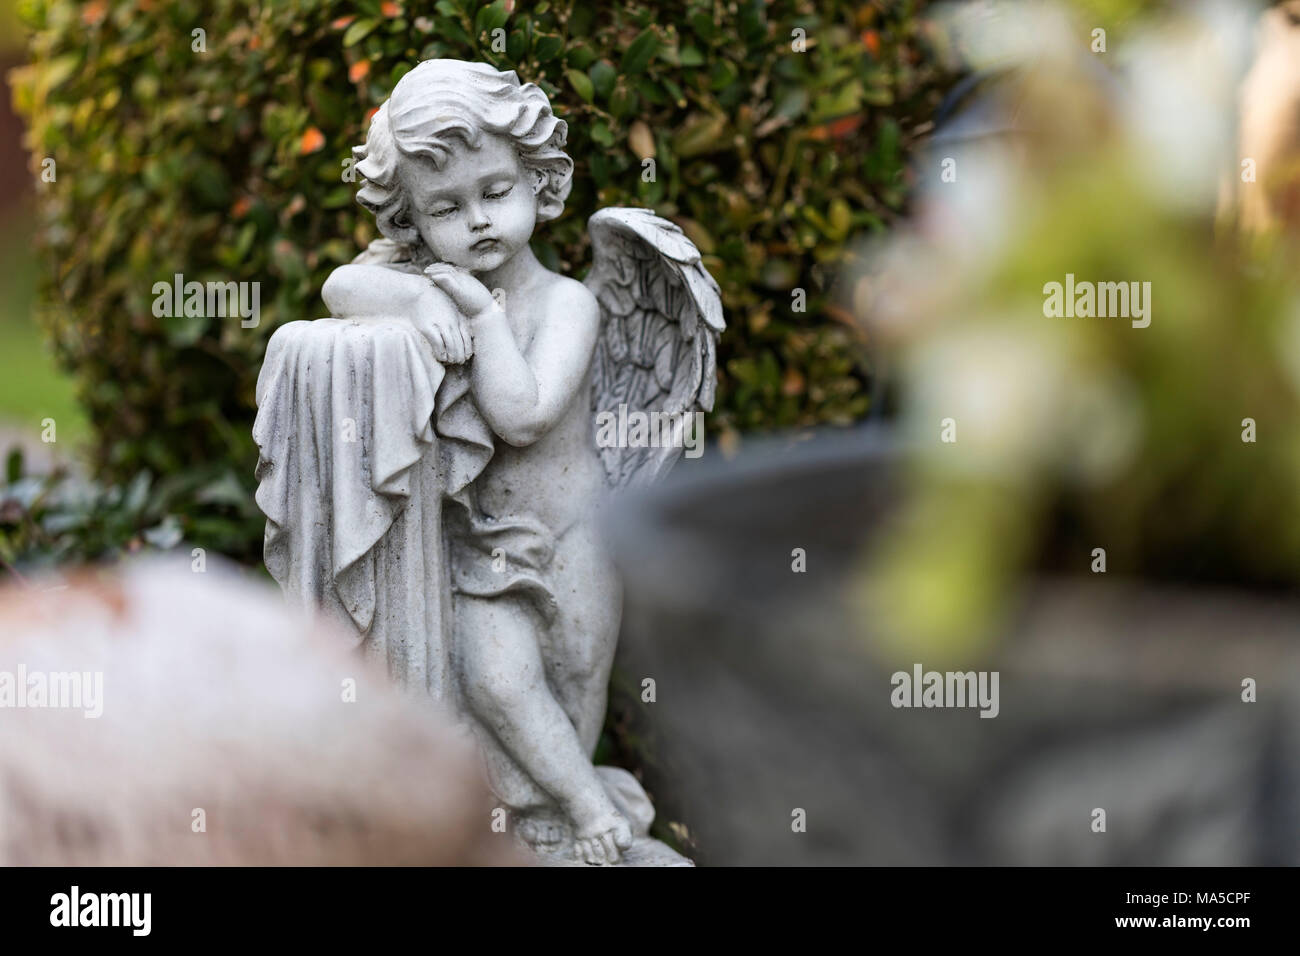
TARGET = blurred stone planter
(769,699)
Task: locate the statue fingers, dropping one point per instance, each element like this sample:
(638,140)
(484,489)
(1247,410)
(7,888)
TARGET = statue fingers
(455,345)
(446,284)
(434,335)
(467,338)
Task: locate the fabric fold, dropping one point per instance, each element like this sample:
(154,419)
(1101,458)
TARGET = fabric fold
(345,412)
(363,439)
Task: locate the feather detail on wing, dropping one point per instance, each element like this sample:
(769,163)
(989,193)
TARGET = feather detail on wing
(656,358)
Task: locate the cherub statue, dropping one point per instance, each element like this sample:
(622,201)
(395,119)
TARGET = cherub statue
(460,165)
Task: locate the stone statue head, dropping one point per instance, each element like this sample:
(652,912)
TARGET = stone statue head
(449,127)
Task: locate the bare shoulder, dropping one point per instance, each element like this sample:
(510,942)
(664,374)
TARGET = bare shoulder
(570,299)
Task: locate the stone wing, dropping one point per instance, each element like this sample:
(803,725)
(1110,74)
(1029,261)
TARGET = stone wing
(657,352)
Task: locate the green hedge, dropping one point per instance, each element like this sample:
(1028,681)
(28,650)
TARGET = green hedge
(228,165)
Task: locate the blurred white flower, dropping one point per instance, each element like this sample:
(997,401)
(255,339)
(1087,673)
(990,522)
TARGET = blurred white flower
(1001,383)
(991,34)
(1180,99)
(970,218)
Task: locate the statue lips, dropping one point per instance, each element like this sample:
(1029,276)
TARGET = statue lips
(484,246)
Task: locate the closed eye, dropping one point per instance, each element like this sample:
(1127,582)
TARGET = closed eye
(500,194)
(443,213)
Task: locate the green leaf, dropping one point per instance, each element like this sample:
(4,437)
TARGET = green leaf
(581,83)
(839,219)
(702,23)
(753,24)
(490,18)
(792,102)
(623,102)
(184,330)
(600,134)
(548,48)
(640,52)
(358,31)
(399,71)
(59,69)
(516,45)
(650,91)
(338,198)
(722,74)
(456,32)
(580,57)
(602,78)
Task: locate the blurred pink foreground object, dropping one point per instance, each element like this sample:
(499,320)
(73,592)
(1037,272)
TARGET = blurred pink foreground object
(162,716)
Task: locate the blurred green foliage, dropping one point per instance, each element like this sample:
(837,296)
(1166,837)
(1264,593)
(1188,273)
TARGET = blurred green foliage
(1174,447)
(31,388)
(1080,433)
(10,34)
(59,517)
(228,165)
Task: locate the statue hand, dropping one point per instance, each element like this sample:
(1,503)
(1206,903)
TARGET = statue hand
(468,294)
(444,327)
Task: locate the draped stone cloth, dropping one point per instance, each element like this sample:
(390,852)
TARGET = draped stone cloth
(368,448)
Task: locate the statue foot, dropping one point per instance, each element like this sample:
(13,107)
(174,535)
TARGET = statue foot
(603,839)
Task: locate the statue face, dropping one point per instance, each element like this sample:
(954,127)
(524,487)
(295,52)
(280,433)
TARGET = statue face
(478,210)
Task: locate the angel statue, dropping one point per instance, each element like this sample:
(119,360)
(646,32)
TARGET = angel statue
(429,463)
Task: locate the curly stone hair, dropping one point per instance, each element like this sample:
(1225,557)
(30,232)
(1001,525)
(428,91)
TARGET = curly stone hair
(444,99)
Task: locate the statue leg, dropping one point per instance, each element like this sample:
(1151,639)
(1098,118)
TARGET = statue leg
(503,681)
(579,648)
(538,819)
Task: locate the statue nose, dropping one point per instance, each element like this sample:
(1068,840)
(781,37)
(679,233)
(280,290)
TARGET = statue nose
(478,220)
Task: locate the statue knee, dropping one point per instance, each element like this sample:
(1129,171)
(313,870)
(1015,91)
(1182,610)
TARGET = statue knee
(496,697)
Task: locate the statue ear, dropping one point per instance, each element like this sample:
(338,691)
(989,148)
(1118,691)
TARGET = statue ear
(539,180)
(402,229)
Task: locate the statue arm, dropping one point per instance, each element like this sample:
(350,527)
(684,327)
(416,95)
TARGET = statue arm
(366,290)
(522,397)
(370,291)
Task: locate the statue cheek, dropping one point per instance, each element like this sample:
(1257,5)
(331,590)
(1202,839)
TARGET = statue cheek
(525,213)
(436,234)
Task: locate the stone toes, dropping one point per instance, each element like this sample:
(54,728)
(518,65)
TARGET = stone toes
(623,836)
(607,848)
